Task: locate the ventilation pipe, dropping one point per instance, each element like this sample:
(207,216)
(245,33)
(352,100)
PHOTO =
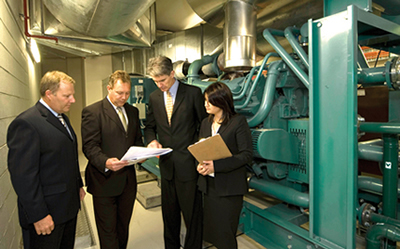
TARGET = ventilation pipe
(240,36)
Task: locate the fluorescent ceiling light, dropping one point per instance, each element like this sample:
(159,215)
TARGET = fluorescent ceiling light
(35,50)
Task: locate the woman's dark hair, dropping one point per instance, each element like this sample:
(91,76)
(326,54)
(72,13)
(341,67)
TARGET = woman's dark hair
(220,95)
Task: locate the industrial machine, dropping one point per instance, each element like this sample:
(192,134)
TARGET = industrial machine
(306,190)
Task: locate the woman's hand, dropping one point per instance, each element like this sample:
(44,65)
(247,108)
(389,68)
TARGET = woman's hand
(206,168)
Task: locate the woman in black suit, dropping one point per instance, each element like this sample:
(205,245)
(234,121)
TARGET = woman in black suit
(223,182)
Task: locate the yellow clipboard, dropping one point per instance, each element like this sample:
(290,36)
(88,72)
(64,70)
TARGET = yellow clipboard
(211,148)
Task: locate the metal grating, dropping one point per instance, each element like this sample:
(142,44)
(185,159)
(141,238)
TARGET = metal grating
(84,232)
(301,134)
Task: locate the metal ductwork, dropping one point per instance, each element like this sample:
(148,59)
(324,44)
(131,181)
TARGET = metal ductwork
(98,18)
(244,20)
(240,36)
(93,27)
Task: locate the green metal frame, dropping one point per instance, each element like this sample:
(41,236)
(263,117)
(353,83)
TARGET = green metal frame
(333,133)
(333,121)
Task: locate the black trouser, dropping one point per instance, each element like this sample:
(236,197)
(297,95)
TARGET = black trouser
(113,215)
(177,197)
(62,237)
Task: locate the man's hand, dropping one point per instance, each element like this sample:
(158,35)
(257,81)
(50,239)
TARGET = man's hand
(114,164)
(44,226)
(154,145)
(82,194)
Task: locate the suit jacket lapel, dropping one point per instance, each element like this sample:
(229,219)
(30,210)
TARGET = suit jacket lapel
(180,95)
(52,119)
(160,105)
(69,126)
(131,119)
(111,113)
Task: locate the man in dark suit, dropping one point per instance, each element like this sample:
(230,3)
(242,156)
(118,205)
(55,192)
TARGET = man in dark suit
(176,129)
(44,169)
(109,128)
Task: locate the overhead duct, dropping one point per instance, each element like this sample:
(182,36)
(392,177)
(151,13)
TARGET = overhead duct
(242,21)
(240,36)
(93,27)
(98,18)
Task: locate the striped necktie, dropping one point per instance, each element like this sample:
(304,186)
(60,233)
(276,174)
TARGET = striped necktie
(169,107)
(122,117)
(59,116)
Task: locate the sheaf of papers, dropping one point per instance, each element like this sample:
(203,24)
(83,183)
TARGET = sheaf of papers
(136,153)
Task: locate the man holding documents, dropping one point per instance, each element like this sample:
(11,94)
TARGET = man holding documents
(173,118)
(109,128)
(223,180)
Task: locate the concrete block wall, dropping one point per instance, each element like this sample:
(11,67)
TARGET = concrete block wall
(18,91)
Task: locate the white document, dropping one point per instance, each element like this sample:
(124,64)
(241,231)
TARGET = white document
(136,153)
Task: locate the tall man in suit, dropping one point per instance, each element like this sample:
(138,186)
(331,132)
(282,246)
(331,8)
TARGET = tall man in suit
(44,169)
(109,128)
(176,127)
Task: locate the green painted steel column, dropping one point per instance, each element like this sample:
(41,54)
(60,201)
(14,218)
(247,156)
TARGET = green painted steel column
(390,177)
(333,130)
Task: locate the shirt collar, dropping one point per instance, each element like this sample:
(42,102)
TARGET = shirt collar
(174,88)
(115,107)
(48,107)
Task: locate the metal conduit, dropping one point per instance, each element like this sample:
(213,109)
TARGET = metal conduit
(268,96)
(377,218)
(289,34)
(281,192)
(246,84)
(373,184)
(384,128)
(372,76)
(256,80)
(371,150)
(268,35)
(193,71)
(380,231)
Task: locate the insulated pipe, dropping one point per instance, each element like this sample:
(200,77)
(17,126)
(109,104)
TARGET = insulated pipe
(371,150)
(256,80)
(281,192)
(289,34)
(380,231)
(246,84)
(268,35)
(385,128)
(373,184)
(377,218)
(193,72)
(268,96)
(372,76)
